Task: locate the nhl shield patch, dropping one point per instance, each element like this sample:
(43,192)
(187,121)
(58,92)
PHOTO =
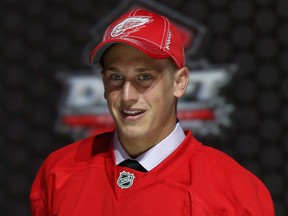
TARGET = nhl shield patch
(125,180)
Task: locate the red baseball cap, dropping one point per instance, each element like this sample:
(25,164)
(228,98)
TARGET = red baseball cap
(149,32)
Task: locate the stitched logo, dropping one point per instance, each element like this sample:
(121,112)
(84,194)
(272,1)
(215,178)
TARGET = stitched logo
(130,25)
(168,41)
(125,180)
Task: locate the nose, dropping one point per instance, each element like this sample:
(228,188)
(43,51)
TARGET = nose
(129,92)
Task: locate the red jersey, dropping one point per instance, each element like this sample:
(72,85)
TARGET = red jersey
(82,179)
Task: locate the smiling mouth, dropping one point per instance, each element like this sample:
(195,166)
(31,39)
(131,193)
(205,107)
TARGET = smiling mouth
(132,112)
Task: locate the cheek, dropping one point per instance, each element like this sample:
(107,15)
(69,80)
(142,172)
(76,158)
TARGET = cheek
(105,92)
(161,96)
(110,96)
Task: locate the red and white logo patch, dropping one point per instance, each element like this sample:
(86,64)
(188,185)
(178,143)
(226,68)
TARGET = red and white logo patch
(130,25)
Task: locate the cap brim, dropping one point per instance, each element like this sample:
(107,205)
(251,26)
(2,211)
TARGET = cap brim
(146,47)
(98,52)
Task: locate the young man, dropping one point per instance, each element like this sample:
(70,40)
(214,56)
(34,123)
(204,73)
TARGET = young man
(144,76)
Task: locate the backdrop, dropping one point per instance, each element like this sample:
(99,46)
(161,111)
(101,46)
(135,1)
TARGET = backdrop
(40,38)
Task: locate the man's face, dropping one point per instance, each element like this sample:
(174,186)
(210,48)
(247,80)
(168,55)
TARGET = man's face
(140,92)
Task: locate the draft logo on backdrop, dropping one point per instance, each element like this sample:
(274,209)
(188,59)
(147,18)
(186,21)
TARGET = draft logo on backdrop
(203,109)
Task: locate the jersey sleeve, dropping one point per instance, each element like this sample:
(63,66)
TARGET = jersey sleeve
(38,199)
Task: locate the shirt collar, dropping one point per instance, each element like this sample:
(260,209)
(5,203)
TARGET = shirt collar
(155,155)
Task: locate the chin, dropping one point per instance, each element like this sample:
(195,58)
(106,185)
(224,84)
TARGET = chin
(133,132)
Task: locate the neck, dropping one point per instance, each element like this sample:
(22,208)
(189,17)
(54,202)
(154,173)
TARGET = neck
(137,146)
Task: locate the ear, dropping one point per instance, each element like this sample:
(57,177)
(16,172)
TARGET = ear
(181,82)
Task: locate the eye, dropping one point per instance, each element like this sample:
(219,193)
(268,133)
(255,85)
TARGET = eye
(112,79)
(145,77)
(116,77)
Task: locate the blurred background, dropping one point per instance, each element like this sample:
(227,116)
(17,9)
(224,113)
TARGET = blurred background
(40,38)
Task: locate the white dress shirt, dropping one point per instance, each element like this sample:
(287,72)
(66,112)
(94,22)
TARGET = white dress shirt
(154,155)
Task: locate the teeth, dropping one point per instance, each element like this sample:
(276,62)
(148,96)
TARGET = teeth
(130,112)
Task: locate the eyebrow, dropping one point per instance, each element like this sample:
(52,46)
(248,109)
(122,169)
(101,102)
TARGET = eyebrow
(139,70)
(110,68)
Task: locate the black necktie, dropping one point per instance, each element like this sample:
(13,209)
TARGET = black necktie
(133,164)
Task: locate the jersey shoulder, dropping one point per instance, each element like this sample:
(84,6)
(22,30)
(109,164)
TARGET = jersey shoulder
(218,162)
(219,175)
(79,153)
